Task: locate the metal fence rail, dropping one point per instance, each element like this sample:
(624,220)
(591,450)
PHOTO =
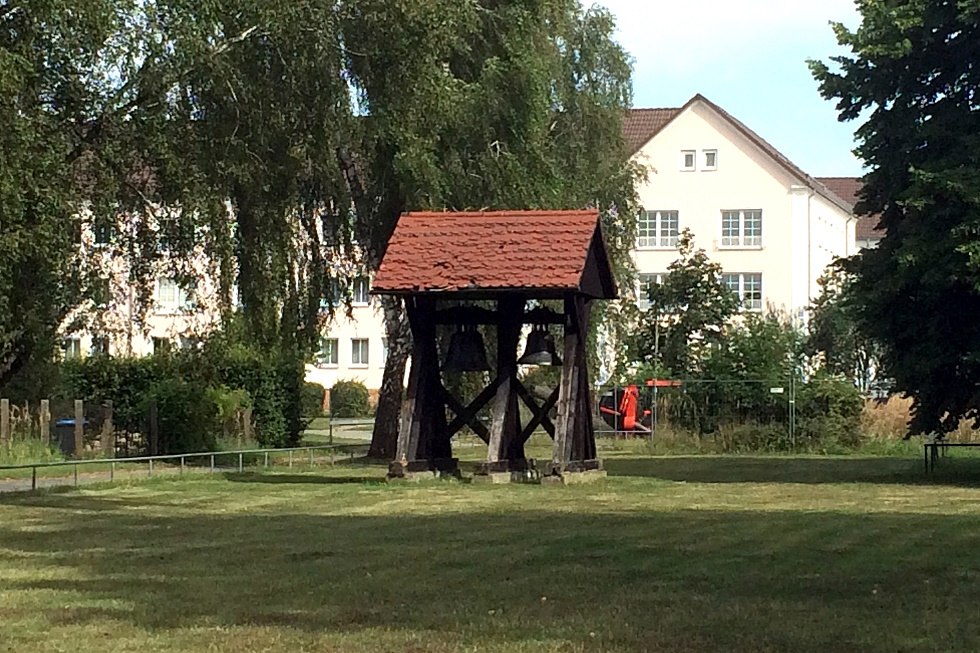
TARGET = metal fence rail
(182,458)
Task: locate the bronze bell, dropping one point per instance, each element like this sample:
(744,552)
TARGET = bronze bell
(540,349)
(466,353)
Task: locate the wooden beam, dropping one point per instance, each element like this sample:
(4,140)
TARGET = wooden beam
(504,427)
(541,417)
(539,413)
(469,414)
(465,416)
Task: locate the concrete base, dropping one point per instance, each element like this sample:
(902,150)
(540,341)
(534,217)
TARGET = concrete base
(415,477)
(574,478)
(492,478)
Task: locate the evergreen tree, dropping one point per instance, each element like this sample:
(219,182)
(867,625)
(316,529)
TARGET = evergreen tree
(912,76)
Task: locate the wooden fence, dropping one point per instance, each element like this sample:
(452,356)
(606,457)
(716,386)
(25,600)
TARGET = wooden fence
(24,421)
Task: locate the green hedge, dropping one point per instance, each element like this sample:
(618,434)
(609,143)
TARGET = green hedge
(194,391)
(349,399)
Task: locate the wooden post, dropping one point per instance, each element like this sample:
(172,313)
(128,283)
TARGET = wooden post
(504,426)
(247,423)
(108,447)
(4,421)
(79,428)
(44,421)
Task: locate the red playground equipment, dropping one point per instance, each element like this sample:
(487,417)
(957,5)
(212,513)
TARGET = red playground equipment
(621,407)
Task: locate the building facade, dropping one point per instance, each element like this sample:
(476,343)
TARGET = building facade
(771,227)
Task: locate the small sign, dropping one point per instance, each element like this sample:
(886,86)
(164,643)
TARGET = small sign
(775,391)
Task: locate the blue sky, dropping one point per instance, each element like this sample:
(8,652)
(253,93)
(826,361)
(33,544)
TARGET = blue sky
(749,57)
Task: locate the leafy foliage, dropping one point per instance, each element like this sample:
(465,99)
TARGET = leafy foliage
(835,335)
(912,76)
(349,399)
(687,314)
(312,399)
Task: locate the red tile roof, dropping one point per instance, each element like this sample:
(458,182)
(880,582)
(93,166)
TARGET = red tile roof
(489,250)
(848,188)
(640,125)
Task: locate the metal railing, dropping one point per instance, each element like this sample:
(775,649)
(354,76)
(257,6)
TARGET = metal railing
(289,453)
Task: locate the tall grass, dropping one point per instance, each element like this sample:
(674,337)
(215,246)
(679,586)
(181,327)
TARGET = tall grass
(888,420)
(28,450)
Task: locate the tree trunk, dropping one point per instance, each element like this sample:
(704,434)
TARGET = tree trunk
(385,435)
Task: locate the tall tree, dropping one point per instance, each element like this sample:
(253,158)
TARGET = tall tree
(473,105)
(688,313)
(913,76)
(71,92)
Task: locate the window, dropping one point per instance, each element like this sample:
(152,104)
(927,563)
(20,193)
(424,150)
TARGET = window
(657,229)
(100,346)
(170,296)
(643,291)
(359,351)
(73,348)
(741,228)
(189,342)
(102,231)
(328,354)
(101,292)
(747,286)
(161,345)
(362,287)
(710,159)
(687,160)
(384,352)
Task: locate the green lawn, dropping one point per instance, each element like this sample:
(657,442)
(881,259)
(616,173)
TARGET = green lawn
(738,554)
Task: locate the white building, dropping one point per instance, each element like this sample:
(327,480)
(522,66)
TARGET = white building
(772,227)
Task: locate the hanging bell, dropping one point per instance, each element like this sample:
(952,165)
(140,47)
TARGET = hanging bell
(540,349)
(467,352)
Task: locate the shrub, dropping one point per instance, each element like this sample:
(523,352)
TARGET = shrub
(186,416)
(829,409)
(349,399)
(312,399)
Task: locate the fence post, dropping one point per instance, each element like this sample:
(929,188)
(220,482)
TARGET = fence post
(247,423)
(4,421)
(108,447)
(79,428)
(44,420)
(154,430)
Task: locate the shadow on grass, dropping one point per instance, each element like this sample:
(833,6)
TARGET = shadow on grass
(963,472)
(732,581)
(308,479)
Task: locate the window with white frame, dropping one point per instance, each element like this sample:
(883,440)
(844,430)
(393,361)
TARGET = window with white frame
(359,351)
(161,345)
(100,346)
(73,348)
(709,159)
(688,160)
(170,296)
(741,228)
(747,286)
(329,354)
(644,281)
(657,229)
(362,286)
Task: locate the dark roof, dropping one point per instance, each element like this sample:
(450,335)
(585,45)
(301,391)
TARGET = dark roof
(849,188)
(551,252)
(641,125)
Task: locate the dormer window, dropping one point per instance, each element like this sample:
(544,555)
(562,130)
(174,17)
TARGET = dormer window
(688,160)
(709,159)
